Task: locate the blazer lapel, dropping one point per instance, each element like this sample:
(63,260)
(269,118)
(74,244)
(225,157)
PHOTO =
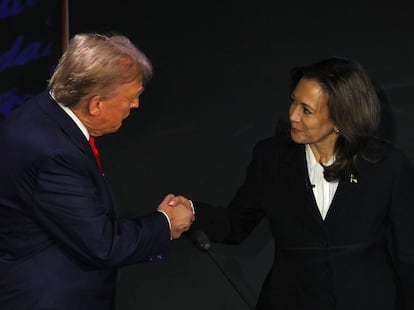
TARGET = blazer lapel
(345,194)
(300,183)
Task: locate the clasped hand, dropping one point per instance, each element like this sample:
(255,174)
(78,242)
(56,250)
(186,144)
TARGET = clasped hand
(180,213)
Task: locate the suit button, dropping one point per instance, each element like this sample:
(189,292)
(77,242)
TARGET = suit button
(156,258)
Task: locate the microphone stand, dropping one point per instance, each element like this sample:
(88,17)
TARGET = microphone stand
(202,242)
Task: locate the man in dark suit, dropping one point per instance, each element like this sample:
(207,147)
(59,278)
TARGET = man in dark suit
(61,241)
(339,201)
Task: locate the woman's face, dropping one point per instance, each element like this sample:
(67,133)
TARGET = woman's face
(309,116)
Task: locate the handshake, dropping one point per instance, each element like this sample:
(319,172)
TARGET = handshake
(180,212)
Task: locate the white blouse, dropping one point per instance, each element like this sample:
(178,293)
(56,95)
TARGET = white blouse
(323,190)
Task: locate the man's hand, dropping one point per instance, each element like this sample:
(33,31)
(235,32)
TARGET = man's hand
(180,213)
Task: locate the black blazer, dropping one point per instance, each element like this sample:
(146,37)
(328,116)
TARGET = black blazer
(61,242)
(361,257)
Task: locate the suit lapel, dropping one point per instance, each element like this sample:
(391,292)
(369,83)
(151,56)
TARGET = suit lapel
(346,192)
(297,170)
(74,136)
(68,127)
(64,122)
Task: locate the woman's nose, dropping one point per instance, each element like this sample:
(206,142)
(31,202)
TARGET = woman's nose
(294,113)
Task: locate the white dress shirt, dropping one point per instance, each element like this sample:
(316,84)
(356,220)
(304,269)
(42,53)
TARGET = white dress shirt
(323,190)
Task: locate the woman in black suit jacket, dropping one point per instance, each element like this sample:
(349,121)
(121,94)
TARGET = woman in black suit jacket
(339,200)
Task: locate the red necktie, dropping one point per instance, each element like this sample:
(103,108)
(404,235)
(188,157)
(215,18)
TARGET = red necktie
(95,152)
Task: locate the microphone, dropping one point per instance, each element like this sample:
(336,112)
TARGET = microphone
(202,242)
(309,184)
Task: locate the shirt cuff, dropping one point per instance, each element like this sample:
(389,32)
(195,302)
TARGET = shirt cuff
(192,206)
(166,216)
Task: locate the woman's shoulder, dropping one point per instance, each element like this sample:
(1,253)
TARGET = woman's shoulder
(275,142)
(280,139)
(276,147)
(380,150)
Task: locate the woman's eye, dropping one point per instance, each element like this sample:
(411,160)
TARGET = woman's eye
(306,110)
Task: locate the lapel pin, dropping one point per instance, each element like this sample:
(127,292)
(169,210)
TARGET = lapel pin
(353,179)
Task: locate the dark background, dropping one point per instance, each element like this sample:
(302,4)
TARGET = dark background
(30,45)
(221,73)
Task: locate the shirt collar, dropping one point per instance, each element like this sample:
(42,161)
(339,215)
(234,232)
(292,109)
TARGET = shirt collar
(310,157)
(73,117)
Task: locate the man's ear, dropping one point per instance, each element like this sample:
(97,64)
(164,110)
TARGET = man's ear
(95,105)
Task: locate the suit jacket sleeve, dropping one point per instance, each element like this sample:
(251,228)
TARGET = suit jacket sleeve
(72,203)
(232,224)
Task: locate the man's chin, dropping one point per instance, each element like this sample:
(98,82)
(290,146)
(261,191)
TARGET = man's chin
(111,130)
(115,129)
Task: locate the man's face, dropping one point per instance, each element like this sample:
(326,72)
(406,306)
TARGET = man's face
(114,110)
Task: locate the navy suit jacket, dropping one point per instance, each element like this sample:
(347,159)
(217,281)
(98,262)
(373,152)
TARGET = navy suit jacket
(360,257)
(61,242)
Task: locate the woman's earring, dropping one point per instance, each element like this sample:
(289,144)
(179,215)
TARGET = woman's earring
(336,130)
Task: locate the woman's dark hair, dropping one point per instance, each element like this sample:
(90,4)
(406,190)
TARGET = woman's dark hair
(354,108)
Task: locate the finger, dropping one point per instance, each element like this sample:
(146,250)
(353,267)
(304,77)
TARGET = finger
(174,201)
(168,198)
(176,235)
(179,200)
